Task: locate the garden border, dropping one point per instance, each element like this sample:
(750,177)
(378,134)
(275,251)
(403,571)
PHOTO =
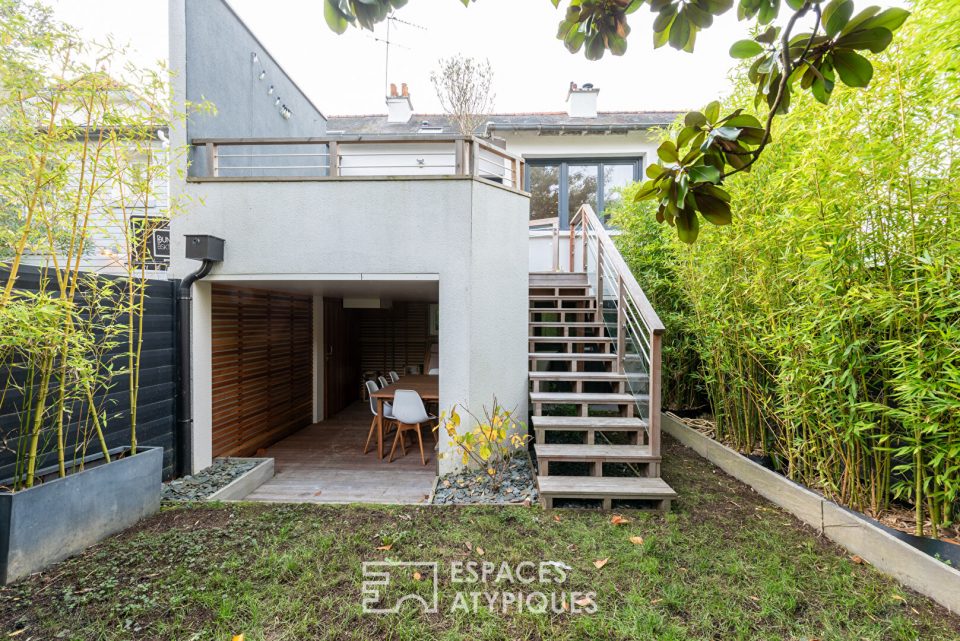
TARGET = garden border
(239,488)
(885,552)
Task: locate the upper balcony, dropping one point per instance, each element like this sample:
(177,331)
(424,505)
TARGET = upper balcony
(354,158)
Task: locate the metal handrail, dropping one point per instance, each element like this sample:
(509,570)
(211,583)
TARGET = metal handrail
(635,314)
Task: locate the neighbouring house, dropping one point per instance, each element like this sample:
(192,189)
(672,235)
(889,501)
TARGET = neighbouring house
(360,245)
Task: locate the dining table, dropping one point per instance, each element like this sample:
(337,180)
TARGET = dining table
(426,385)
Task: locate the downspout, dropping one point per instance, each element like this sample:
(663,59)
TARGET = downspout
(185,404)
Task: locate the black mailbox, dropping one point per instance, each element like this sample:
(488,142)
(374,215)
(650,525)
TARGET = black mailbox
(204,247)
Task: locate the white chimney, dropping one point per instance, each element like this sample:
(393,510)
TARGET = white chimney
(399,107)
(582,101)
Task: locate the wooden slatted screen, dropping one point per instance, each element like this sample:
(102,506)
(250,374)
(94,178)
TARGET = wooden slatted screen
(262,368)
(391,339)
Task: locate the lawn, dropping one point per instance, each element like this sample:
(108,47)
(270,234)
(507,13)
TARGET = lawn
(725,564)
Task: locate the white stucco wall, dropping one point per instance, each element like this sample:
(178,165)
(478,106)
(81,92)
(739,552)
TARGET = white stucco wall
(470,235)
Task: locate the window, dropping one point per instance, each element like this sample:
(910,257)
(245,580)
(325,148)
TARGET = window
(558,187)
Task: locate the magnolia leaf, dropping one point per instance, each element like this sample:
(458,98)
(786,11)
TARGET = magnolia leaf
(891,19)
(337,21)
(599,563)
(704,173)
(854,70)
(875,39)
(743,49)
(713,209)
(667,152)
(688,226)
(836,15)
(712,111)
(694,119)
(654,171)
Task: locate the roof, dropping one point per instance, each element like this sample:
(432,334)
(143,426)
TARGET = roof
(541,122)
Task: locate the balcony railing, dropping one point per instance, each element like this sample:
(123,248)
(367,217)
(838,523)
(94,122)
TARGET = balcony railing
(354,156)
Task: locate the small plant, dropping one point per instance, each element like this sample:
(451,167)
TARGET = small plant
(496,435)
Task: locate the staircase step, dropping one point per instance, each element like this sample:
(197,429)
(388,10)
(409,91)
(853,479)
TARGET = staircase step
(606,489)
(559,356)
(549,298)
(601,453)
(601,423)
(572,339)
(563,310)
(557,279)
(576,325)
(565,398)
(591,377)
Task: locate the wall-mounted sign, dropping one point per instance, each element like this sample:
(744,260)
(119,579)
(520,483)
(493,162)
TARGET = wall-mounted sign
(151,238)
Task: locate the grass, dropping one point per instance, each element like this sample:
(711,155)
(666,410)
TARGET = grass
(724,564)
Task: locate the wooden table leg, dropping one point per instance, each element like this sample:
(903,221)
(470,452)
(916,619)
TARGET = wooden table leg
(380,428)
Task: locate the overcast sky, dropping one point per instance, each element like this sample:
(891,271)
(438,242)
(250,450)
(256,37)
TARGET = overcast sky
(346,74)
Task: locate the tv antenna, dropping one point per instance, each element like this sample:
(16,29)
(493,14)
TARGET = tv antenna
(387,44)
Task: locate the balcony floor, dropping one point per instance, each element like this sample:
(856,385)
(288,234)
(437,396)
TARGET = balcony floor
(323,463)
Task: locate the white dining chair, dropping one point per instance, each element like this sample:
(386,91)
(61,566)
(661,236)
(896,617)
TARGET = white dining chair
(434,372)
(394,377)
(410,416)
(387,412)
(383,382)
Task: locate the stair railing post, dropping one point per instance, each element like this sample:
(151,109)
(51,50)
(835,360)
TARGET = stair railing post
(583,248)
(573,244)
(213,160)
(654,420)
(333,151)
(556,247)
(599,280)
(621,319)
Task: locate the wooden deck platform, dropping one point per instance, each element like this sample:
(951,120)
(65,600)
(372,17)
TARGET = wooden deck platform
(323,463)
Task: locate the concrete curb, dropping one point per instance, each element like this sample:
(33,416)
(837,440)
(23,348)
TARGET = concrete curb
(885,552)
(243,485)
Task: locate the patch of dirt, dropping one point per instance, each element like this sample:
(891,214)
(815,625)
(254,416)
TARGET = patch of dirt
(897,517)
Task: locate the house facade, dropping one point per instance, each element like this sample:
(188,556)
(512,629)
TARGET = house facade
(360,245)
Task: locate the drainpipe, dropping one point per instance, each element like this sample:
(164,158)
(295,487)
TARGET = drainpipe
(208,250)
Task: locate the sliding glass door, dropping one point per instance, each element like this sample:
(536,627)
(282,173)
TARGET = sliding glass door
(558,187)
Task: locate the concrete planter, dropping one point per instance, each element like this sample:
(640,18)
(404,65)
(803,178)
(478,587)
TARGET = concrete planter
(246,483)
(56,519)
(890,555)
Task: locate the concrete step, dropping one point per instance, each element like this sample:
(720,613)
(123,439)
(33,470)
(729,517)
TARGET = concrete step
(606,489)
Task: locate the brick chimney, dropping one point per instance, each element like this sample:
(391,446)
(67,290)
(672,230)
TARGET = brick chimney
(399,107)
(582,101)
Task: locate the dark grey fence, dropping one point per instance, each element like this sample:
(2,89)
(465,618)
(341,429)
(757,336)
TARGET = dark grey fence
(156,403)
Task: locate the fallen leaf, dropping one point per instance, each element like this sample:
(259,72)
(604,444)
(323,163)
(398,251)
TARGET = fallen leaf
(616,519)
(636,540)
(469,545)
(655,601)
(17,632)
(584,601)
(479,551)
(565,605)
(754,598)
(897,597)
(599,563)
(238,637)
(417,576)
(386,547)
(556,517)
(856,559)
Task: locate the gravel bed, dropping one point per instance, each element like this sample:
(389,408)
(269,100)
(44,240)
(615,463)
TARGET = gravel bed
(469,486)
(198,487)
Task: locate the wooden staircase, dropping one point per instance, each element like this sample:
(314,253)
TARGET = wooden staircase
(588,433)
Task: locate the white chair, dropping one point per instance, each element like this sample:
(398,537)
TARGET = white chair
(410,415)
(387,413)
(434,372)
(394,377)
(383,382)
